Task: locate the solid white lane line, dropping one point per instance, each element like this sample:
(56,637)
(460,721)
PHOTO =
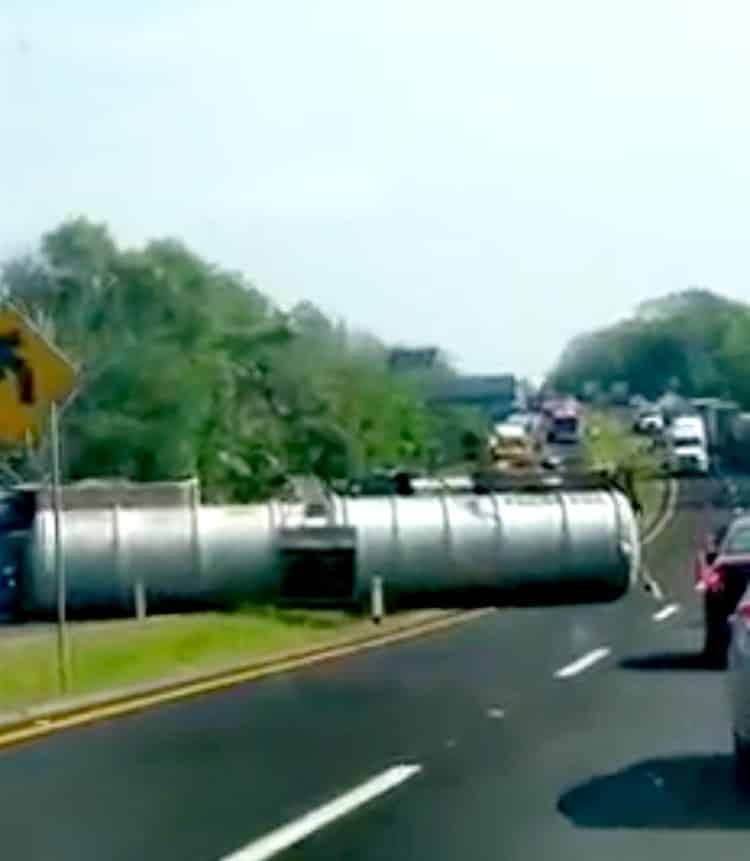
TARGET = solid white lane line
(291,833)
(665,612)
(652,586)
(673,492)
(583,663)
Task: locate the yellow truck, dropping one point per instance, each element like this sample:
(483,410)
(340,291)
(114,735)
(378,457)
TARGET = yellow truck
(511,447)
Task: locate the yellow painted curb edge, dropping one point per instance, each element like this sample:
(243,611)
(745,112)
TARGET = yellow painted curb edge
(42,725)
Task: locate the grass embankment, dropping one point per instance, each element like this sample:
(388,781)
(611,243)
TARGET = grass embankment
(119,654)
(609,443)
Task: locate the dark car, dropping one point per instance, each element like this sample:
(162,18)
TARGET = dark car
(739,686)
(722,576)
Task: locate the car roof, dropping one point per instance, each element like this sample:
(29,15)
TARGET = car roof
(510,431)
(739,521)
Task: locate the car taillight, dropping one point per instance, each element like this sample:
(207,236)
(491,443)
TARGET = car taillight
(710,579)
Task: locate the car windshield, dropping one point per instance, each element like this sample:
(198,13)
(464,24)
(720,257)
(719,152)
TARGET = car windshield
(738,540)
(689,442)
(515,442)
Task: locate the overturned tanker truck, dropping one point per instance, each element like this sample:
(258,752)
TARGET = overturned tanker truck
(473,541)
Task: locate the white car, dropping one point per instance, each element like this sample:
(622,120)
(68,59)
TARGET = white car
(529,422)
(650,423)
(688,458)
(739,684)
(687,446)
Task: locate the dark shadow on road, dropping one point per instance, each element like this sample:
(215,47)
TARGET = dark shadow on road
(683,792)
(680,661)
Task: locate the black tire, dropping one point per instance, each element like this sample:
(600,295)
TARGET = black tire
(715,656)
(715,651)
(718,633)
(742,763)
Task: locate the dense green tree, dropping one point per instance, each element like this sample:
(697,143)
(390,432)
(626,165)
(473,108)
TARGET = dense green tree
(188,369)
(694,341)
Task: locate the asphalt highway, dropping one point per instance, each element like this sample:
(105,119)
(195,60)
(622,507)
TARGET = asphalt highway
(563,733)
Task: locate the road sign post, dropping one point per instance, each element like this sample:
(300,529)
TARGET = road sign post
(34,378)
(63,643)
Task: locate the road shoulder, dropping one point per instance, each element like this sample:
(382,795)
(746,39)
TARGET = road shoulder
(36,721)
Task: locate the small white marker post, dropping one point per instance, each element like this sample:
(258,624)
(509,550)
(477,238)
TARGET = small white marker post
(140,600)
(376,599)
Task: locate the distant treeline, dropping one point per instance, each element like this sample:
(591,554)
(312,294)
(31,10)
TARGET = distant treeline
(694,343)
(188,369)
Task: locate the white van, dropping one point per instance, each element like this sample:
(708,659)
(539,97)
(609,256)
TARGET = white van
(687,446)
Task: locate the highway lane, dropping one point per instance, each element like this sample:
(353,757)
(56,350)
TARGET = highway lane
(569,454)
(198,779)
(628,760)
(514,761)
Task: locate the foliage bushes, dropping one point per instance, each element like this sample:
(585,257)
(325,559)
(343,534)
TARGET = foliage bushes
(693,342)
(188,369)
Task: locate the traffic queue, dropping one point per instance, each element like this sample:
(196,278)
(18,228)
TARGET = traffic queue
(690,435)
(722,577)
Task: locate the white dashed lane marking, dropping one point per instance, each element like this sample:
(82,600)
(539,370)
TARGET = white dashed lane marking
(293,832)
(583,663)
(666,612)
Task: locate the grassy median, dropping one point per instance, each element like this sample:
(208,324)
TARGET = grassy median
(122,653)
(609,443)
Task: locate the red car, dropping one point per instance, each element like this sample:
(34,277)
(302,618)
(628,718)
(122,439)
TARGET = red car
(722,575)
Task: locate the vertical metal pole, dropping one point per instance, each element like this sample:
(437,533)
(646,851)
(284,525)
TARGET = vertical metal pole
(195,532)
(140,600)
(376,599)
(29,447)
(63,645)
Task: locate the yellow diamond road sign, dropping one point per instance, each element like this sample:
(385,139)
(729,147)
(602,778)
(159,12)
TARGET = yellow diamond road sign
(33,373)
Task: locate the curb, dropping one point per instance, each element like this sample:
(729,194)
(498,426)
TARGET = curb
(51,719)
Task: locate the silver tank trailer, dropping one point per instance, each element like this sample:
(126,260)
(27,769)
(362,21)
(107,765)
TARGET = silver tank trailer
(179,555)
(567,546)
(533,547)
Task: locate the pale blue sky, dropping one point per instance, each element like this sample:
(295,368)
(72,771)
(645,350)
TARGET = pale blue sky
(492,177)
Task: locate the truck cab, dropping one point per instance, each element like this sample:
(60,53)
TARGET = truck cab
(687,446)
(565,424)
(511,446)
